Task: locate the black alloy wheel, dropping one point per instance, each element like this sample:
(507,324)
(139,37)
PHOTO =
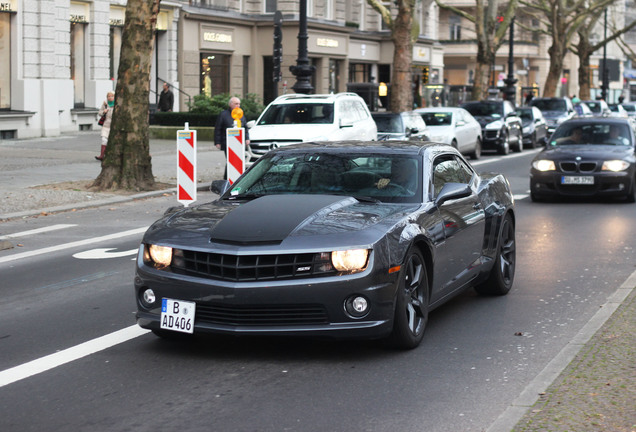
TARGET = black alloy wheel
(411,308)
(502,273)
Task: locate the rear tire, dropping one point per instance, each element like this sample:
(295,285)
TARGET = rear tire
(476,154)
(502,273)
(411,305)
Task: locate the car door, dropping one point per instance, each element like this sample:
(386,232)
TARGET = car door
(464,225)
(462,132)
(540,125)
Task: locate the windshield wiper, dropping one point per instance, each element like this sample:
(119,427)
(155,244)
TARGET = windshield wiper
(248,196)
(366,199)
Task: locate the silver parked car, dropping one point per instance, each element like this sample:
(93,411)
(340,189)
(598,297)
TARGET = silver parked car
(453,126)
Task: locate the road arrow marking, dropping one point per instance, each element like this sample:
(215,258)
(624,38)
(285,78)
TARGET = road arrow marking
(103,253)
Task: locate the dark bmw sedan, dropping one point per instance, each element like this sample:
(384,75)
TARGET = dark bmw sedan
(586,157)
(350,239)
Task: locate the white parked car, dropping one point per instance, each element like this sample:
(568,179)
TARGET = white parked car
(454,126)
(295,118)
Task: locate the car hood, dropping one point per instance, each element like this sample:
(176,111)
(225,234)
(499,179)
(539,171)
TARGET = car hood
(484,120)
(586,152)
(276,219)
(287,132)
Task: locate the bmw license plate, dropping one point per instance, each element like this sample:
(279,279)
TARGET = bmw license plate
(177,315)
(577,180)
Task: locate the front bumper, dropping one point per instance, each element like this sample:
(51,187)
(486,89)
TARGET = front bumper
(492,139)
(606,184)
(309,307)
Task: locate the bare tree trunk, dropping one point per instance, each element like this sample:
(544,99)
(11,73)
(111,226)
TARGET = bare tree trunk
(127,162)
(557,54)
(401,79)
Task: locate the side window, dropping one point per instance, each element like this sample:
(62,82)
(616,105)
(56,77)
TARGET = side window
(449,169)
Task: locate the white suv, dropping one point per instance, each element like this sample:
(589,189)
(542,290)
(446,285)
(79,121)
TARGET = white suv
(295,118)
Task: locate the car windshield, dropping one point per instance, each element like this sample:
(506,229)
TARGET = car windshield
(389,123)
(298,113)
(630,108)
(550,104)
(592,133)
(376,177)
(525,114)
(485,109)
(437,118)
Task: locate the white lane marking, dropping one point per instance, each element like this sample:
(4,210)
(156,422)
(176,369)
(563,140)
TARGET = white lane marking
(59,358)
(103,253)
(72,245)
(37,231)
(520,196)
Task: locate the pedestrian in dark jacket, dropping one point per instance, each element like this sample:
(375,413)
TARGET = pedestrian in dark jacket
(166,99)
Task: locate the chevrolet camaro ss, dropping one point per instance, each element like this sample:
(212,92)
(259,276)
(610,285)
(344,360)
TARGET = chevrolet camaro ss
(341,239)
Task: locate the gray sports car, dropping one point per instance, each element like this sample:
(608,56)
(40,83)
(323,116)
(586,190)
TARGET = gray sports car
(346,239)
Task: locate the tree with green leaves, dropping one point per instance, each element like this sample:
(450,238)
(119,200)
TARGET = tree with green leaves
(401,26)
(127,162)
(490,34)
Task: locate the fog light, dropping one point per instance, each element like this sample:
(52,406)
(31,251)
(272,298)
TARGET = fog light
(357,306)
(148,298)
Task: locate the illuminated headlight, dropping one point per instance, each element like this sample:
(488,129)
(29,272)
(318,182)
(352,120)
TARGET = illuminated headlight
(160,255)
(494,125)
(544,165)
(615,165)
(350,260)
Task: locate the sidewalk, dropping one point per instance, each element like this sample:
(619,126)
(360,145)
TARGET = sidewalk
(47,175)
(595,392)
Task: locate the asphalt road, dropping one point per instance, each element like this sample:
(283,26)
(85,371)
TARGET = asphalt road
(59,290)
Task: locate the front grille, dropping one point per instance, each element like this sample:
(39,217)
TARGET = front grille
(261,315)
(245,268)
(492,134)
(583,167)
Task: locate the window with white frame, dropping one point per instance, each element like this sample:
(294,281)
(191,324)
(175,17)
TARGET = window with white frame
(270,6)
(454,26)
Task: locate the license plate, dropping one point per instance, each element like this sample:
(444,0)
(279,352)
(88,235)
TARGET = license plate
(577,180)
(177,315)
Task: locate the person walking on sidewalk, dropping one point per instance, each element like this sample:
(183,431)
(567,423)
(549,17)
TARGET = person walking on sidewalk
(107,109)
(166,99)
(224,121)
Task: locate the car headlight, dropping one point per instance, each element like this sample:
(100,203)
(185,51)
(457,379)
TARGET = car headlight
(350,260)
(498,124)
(615,165)
(544,165)
(160,255)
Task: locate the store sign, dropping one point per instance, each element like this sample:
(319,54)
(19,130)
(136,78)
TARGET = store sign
(326,42)
(79,12)
(7,7)
(117,16)
(217,37)
(421,54)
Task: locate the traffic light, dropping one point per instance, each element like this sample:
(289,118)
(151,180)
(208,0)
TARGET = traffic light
(278,45)
(425,75)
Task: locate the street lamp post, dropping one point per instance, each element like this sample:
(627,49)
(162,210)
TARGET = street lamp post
(509,90)
(605,85)
(302,70)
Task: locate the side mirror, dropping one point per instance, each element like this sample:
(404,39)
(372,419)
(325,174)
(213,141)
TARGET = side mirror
(219,186)
(452,191)
(250,124)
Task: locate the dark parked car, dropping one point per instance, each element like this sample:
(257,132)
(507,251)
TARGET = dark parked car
(556,110)
(535,129)
(407,125)
(500,125)
(586,157)
(349,239)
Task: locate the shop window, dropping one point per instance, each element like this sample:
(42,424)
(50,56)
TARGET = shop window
(246,75)
(359,72)
(78,60)
(5,61)
(215,74)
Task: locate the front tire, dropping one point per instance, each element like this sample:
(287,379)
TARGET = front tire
(504,148)
(411,306)
(631,193)
(476,154)
(502,273)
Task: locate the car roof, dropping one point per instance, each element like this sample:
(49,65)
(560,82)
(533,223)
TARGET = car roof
(598,120)
(439,109)
(313,98)
(388,147)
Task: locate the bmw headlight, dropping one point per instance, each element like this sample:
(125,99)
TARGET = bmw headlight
(544,165)
(161,256)
(350,260)
(615,165)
